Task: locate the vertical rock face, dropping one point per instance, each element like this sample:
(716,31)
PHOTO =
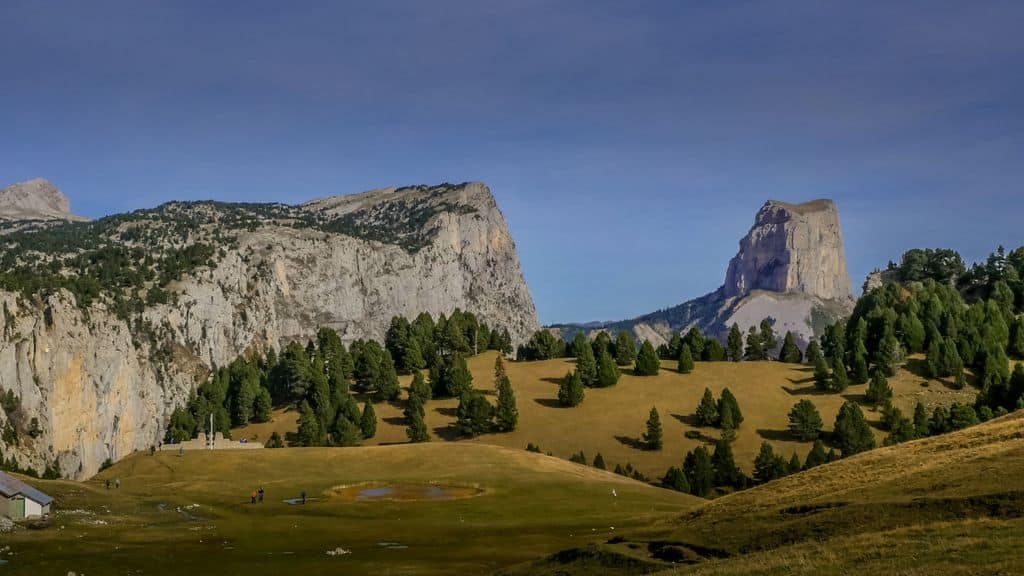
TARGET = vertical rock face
(792,248)
(790,267)
(102,382)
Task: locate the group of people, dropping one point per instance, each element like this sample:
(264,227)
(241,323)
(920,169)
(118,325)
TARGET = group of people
(257,495)
(117,483)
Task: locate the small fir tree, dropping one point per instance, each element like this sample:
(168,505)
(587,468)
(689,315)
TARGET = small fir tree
(647,361)
(652,437)
(570,390)
(685,360)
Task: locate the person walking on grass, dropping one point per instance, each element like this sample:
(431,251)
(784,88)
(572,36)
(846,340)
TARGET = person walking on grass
(303,497)
(117,483)
(253,496)
(260,494)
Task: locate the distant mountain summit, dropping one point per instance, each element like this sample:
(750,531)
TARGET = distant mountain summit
(790,267)
(35,199)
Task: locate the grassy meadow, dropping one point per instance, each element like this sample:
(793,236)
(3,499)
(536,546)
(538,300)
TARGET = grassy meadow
(611,420)
(192,514)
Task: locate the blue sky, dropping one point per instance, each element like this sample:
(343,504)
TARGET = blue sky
(629,144)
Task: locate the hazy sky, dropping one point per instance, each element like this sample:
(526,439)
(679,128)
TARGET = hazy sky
(629,144)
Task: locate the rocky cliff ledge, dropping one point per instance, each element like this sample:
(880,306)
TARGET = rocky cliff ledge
(108,325)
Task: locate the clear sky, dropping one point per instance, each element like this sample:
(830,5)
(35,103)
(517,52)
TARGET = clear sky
(629,144)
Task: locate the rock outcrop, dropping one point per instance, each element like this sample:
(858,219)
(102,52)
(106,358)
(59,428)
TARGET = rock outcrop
(103,377)
(790,267)
(35,199)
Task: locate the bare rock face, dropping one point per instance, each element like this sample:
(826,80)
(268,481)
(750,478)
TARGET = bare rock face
(103,382)
(790,267)
(35,199)
(791,248)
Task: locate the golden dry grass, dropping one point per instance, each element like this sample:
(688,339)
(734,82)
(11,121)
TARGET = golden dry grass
(609,419)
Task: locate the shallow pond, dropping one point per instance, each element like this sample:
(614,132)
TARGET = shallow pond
(404,492)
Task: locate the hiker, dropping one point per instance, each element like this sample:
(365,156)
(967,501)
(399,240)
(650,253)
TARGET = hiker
(253,496)
(108,483)
(261,494)
(117,483)
(303,497)
(181,450)
(152,450)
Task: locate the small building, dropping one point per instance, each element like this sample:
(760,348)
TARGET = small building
(19,501)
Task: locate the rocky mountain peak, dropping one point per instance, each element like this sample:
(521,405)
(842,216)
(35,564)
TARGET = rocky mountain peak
(792,248)
(35,199)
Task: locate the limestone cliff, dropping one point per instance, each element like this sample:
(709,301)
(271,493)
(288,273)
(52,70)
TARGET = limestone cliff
(790,267)
(35,199)
(202,283)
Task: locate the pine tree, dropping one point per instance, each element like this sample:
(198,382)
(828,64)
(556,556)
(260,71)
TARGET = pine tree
(586,365)
(933,358)
(822,375)
(734,344)
(417,429)
(707,410)
(768,341)
(790,352)
(570,390)
(805,421)
(724,463)
(851,431)
(879,391)
(728,399)
(262,406)
(506,414)
(817,456)
(794,464)
(647,361)
(420,388)
(1015,348)
(387,386)
(599,462)
(766,464)
(713,351)
(368,421)
(813,352)
(695,341)
(346,432)
(675,345)
(625,348)
(474,414)
(607,370)
(839,381)
(700,473)
(652,437)
(675,479)
(459,378)
(601,343)
(309,431)
(921,421)
(755,345)
(685,359)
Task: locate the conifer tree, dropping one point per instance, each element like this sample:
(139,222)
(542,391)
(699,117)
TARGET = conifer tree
(625,348)
(933,358)
(713,351)
(262,406)
(755,346)
(817,456)
(685,359)
(368,421)
(813,352)
(675,479)
(1015,347)
(724,463)
(601,343)
(599,462)
(414,413)
(707,410)
(586,365)
(767,465)
(647,361)
(790,352)
(346,432)
(387,387)
(474,414)
(768,341)
(695,341)
(419,387)
(607,370)
(652,437)
(700,473)
(921,421)
(879,391)
(851,431)
(459,380)
(794,464)
(570,390)
(506,414)
(839,381)
(674,346)
(309,432)
(734,344)
(728,399)
(822,375)
(805,421)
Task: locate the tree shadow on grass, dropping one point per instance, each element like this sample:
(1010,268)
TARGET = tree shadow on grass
(632,442)
(688,419)
(805,391)
(447,433)
(861,398)
(395,420)
(801,380)
(776,435)
(552,380)
(549,402)
(452,412)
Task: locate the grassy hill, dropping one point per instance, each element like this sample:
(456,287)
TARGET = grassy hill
(192,514)
(611,420)
(951,504)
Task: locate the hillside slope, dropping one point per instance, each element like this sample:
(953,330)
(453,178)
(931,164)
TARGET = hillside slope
(108,325)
